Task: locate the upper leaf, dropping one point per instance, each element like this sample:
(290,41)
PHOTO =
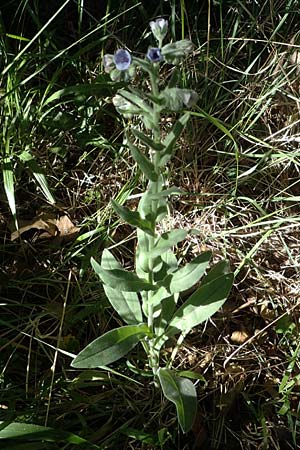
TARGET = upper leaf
(125,281)
(132,217)
(167,241)
(110,347)
(185,277)
(201,305)
(182,392)
(172,137)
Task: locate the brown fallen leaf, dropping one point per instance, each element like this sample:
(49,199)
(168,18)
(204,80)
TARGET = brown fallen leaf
(239,337)
(47,226)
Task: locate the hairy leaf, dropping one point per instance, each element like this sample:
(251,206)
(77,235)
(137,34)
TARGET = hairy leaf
(132,217)
(125,303)
(126,281)
(185,277)
(157,146)
(110,347)
(201,305)
(221,268)
(182,393)
(167,241)
(172,137)
(143,162)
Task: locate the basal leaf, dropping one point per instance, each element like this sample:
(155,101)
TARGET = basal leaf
(132,217)
(201,305)
(32,432)
(110,347)
(143,162)
(182,393)
(167,241)
(125,281)
(185,277)
(125,303)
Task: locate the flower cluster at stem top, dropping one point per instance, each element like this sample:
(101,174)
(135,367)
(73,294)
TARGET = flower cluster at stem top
(121,66)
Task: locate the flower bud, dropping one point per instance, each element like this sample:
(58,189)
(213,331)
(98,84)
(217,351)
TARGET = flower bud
(108,63)
(159,28)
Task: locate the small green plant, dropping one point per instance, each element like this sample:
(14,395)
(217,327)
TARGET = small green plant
(147,299)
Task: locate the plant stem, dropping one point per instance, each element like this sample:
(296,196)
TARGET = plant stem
(154,187)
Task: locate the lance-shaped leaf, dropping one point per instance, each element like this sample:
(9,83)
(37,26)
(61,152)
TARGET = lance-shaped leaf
(132,217)
(221,268)
(135,99)
(185,277)
(126,281)
(110,347)
(157,146)
(125,303)
(182,393)
(143,162)
(172,137)
(201,305)
(167,241)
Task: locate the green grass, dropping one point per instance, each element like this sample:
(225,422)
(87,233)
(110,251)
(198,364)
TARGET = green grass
(62,140)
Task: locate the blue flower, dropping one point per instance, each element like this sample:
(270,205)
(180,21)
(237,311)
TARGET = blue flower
(154,54)
(122,59)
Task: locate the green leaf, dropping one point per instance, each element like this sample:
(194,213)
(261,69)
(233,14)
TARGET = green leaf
(38,174)
(156,146)
(126,281)
(167,241)
(172,137)
(132,217)
(185,277)
(143,162)
(110,347)
(176,50)
(175,99)
(221,268)
(125,303)
(201,305)
(28,431)
(8,181)
(182,393)
(135,99)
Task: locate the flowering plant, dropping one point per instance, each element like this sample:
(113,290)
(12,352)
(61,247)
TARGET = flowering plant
(147,299)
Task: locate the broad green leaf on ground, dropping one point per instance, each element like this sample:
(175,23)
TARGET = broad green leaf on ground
(28,431)
(126,281)
(110,347)
(182,393)
(201,305)
(221,268)
(167,241)
(125,303)
(185,277)
(143,162)
(156,146)
(172,137)
(132,217)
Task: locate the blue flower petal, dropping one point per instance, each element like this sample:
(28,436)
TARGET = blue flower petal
(154,54)
(122,59)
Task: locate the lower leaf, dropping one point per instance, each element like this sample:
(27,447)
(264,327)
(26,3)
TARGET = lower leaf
(110,347)
(182,393)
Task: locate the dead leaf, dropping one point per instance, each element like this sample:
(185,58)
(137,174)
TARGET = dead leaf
(47,226)
(239,337)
